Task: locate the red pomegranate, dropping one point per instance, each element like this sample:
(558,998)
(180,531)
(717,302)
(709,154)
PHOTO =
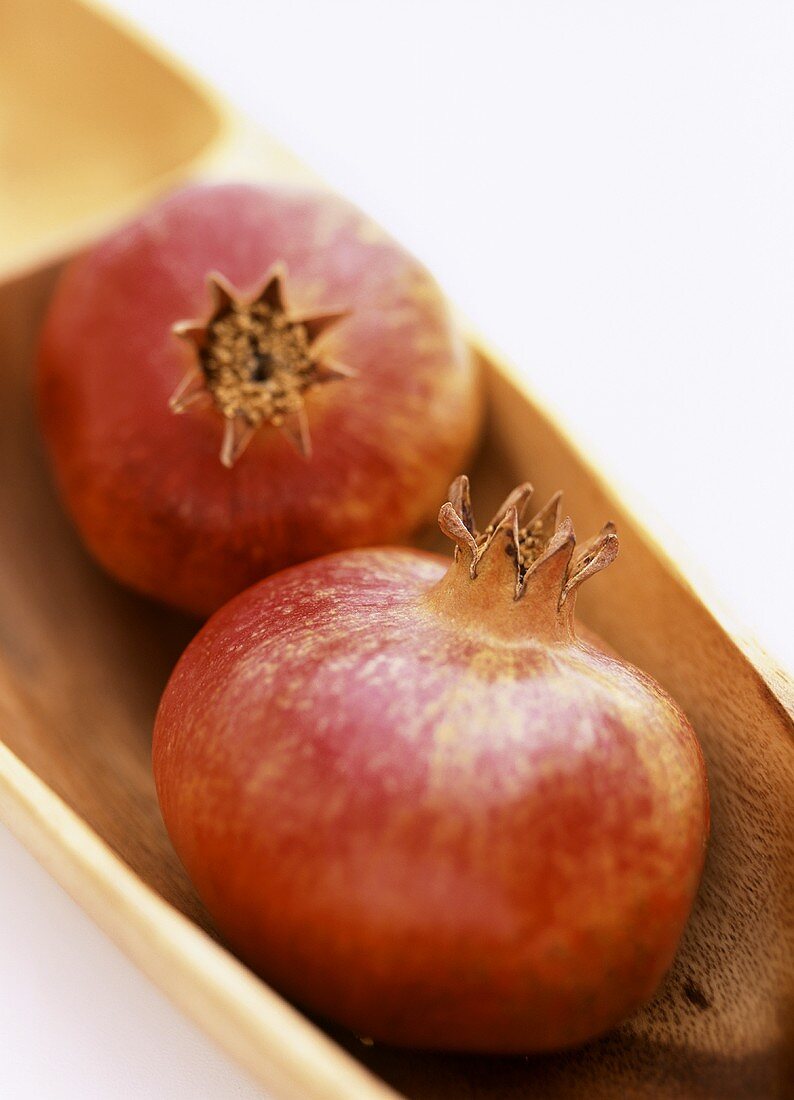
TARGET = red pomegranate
(415,802)
(326,391)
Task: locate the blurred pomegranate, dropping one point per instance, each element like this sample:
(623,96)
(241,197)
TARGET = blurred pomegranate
(326,391)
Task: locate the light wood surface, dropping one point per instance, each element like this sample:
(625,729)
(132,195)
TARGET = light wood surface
(92,123)
(82,664)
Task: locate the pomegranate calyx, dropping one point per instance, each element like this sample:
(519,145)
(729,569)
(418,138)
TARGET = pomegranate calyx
(533,558)
(255,361)
(594,555)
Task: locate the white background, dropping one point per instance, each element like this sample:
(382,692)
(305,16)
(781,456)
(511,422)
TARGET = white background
(607,189)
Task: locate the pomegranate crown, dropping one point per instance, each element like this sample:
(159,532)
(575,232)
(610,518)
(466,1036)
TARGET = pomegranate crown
(541,547)
(255,361)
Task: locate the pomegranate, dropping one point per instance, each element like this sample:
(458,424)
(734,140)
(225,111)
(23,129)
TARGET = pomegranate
(415,802)
(326,393)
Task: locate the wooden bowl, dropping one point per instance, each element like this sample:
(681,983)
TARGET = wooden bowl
(82,662)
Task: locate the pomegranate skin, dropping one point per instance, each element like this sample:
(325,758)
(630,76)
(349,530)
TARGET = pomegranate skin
(145,487)
(420,828)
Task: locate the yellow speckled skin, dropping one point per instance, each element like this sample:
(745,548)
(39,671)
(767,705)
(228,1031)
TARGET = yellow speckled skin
(437,830)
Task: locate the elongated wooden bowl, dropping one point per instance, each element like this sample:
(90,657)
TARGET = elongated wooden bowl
(82,662)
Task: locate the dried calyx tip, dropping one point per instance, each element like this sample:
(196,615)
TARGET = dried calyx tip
(254,363)
(534,543)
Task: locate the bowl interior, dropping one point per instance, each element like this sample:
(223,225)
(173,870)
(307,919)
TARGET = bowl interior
(90,121)
(83,662)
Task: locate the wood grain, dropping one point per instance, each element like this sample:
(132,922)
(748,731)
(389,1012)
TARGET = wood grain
(82,664)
